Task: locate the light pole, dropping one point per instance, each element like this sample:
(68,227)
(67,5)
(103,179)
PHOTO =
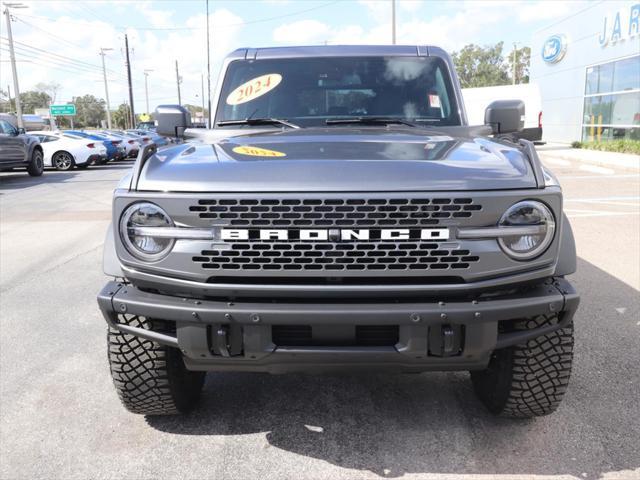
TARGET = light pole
(393,22)
(106,88)
(16,89)
(146,87)
(208,72)
(515,61)
(178,80)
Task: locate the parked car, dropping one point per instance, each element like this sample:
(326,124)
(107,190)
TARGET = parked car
(159,140)
(131,143)
(113,152)
(18,149)
(64,153)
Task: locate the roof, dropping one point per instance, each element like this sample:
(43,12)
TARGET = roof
(338,51)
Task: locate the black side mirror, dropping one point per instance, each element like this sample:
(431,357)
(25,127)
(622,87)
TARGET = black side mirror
(172,120)
(20,131)
(505,116)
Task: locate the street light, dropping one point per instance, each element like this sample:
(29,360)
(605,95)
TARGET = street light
(12,55)
(106,89)
(146,87)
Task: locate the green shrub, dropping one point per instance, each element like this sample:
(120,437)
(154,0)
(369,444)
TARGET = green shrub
(619,146)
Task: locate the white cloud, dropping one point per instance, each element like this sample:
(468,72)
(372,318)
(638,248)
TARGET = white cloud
(302,31)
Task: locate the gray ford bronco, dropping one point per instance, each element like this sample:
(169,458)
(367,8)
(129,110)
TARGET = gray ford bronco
(340,214)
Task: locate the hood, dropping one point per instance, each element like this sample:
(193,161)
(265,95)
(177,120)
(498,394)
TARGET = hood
(339,159)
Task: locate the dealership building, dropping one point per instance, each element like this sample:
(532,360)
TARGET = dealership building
(587,66)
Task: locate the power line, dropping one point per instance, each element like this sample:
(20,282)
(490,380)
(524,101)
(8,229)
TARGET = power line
(238,24)
(78,63)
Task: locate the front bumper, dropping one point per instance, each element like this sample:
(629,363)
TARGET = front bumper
(432,335)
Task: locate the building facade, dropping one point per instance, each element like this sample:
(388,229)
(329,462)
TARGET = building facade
(587,66)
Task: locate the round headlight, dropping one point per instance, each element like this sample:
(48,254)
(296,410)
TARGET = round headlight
(525,214)
(138,243)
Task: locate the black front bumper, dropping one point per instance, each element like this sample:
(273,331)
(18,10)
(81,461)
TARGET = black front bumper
(432,335)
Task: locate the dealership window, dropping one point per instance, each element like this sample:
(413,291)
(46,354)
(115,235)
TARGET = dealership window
(612,101)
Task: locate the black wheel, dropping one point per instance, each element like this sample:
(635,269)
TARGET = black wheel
(150,378)
(36,166)
(63,161)
(528,380)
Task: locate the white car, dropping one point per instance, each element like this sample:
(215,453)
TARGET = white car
(131,144)
(64,152)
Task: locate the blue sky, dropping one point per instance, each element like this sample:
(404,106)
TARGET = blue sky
(161,32)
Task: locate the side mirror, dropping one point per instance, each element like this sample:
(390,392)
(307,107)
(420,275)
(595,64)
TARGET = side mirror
(21,131)
(505,116)
(172,120)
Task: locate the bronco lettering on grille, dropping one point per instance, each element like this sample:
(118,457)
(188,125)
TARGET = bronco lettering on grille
(335,234)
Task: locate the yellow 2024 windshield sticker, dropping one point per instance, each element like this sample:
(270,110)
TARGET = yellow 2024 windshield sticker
(254,88)
(257,152)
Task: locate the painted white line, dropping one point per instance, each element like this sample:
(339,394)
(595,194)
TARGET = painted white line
(602,199)
(606,214)
(597,177)
(556,161)
(596,169)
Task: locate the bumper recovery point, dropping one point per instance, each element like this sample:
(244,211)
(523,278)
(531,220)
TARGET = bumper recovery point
(223,335)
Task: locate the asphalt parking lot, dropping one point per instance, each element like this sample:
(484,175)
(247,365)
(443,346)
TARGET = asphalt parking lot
(61,419)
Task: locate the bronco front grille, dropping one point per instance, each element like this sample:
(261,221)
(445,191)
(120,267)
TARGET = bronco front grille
(336,256)
(308,213)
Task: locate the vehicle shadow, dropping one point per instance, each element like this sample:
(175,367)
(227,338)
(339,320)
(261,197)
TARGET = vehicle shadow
(431,423)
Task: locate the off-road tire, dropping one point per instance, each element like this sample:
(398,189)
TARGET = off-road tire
(36,165)
(150,378)
(528,380)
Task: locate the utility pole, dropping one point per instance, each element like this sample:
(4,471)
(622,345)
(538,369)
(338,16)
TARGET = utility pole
(208,72)
(132,113)
(393,22)
(146,87)
(178,83)
(515,61)
(12,54)
(202,93)
(106,88)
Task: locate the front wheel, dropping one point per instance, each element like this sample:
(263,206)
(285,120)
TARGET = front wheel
(63,161)
(36,165)
(530,379)
(150,378)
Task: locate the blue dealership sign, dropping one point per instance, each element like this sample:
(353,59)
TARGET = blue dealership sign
(554,48)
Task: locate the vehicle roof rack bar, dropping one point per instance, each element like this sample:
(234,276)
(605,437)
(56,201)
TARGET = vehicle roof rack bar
(534,160)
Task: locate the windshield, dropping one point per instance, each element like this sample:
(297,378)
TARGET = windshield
(309,91)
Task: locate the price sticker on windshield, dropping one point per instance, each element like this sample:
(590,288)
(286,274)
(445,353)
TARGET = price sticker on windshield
(254,88)
(257,152)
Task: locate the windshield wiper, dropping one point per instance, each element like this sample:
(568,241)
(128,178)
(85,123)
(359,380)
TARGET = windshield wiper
(258,121)
(369,120)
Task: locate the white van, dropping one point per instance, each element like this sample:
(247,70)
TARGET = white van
(476,101)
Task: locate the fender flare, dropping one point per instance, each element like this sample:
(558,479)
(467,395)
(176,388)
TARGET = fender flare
(567,261)
(110,262)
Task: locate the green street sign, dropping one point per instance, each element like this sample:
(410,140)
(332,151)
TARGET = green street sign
(62,110)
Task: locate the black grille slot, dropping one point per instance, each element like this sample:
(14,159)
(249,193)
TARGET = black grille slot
(290,256)
(363,336)
(309,213)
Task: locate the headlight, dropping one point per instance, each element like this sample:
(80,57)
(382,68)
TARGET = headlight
(527,214)
(139,243)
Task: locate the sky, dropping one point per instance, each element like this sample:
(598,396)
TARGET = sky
(60,40)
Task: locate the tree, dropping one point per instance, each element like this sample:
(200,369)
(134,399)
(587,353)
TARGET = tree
(31,100)
(481,66)
(89,111)
(50,89)
(523,60)
(120,117)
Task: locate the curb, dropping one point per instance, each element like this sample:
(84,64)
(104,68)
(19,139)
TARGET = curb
(620,161)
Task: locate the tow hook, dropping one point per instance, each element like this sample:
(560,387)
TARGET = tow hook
(222,340)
